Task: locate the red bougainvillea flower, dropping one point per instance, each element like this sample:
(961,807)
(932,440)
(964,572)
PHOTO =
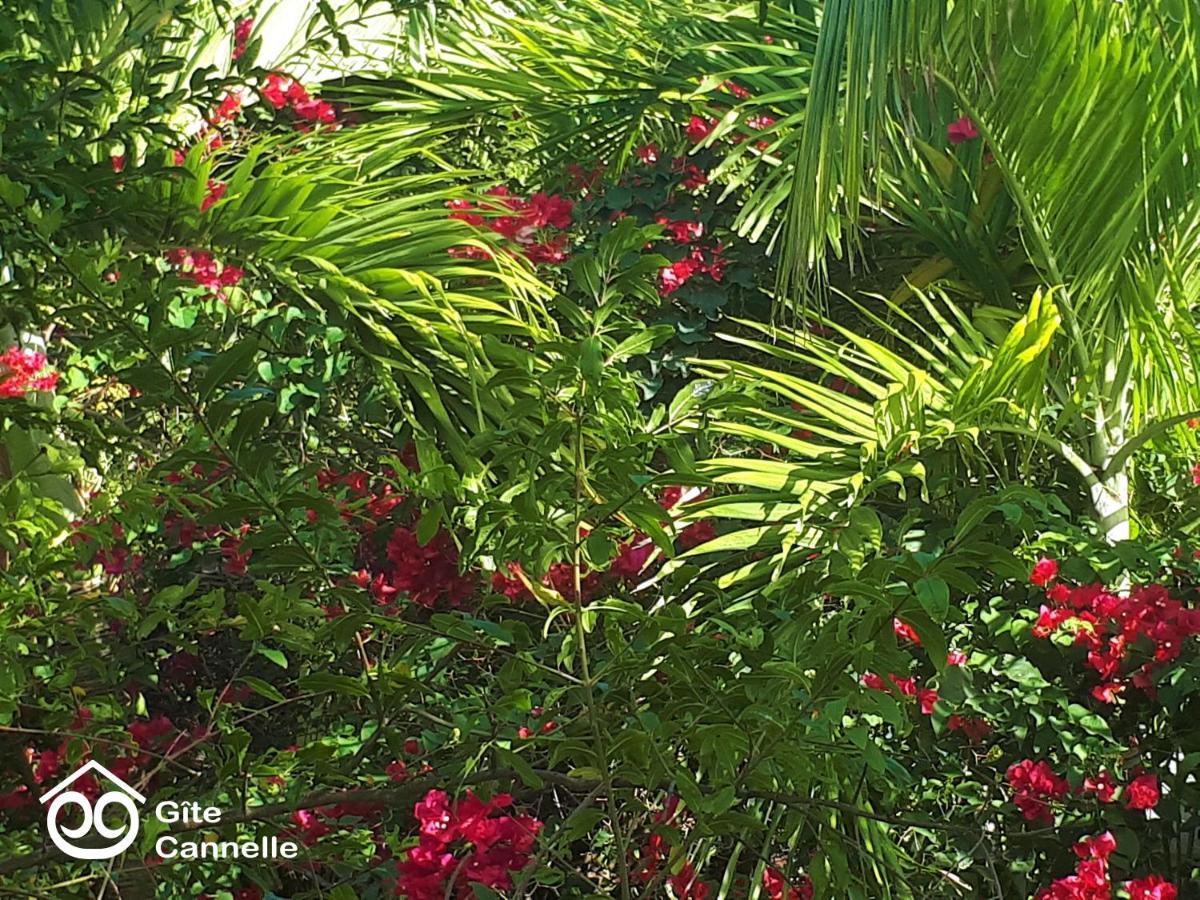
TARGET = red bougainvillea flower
(429,573)
(927,697)
(777,888)
(905,631)
(696,534)
(1090,881)
(24,371)
(1099,847)
(511,585)
(671,278)
(275,90)
(1044,571)
(648,153)
(118,162)
(241,35)
(1034,784)
(1102,786)
(462,843)
(150,732)
(699,128)
(631,558)
(202,268)
(686,885)
(975,729)
(1142,792)
(227,109)
(682,231)
(736,89)
(961,130)
(524,222)
(1152,887)
(956,658)
(873,681)
(1109,625)
(214,192)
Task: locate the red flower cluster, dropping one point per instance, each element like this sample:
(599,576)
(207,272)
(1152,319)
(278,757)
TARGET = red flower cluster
(281,91)
(428,573)
(24,371)
(1111,627)
(528,223)
(1091,880)
(463,843)
(241,36)
(1152,887)
(1034,785)
(700,261)
(227,110)
(628,566)
(926,697)
(202,268)
(777,887)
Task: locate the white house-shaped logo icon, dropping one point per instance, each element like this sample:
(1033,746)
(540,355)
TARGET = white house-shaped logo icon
(93,815)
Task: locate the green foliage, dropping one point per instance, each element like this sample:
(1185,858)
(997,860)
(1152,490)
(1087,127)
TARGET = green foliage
(357,487)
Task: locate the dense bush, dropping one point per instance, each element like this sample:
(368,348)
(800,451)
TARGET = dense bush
(501,455)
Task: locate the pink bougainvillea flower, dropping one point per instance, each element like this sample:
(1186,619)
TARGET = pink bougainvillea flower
(1142,792)
(905,631)
(961,130)
(1196,473)
(23,372)
(736,89)
(956,658)
(1044,571)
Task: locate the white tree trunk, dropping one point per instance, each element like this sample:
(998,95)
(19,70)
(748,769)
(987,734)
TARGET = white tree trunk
(1111,501)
